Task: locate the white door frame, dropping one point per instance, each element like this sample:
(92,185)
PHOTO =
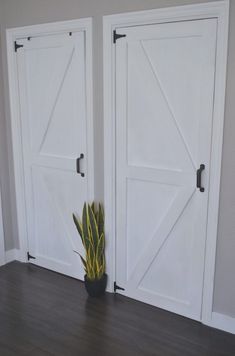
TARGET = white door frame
(33,31)
(2,243)
(219,10)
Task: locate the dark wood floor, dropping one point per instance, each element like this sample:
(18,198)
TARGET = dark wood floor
(44,313)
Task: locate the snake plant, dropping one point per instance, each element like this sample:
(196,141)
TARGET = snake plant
(91,231)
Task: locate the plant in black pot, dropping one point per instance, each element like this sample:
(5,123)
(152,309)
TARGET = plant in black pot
(91,231)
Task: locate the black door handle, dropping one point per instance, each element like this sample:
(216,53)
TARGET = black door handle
(199,177)
(78,165)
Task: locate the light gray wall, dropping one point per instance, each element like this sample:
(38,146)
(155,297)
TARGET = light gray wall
(28,12)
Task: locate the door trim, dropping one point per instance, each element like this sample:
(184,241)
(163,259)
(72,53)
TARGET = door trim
(43,30)
(220,11)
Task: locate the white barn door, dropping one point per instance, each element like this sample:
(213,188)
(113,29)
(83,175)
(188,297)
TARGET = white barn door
(53,105)
(164,110)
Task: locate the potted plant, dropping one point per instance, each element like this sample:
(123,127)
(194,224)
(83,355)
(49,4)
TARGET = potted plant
(91,231)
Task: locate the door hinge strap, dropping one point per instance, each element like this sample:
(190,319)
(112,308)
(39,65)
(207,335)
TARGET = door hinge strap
(30,257)
(16,45)
(116,287)
(116,36)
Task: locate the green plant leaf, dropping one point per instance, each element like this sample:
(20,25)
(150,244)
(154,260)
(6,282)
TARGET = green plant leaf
(100,220)
(93,207)
(85,225)
(94,227)
(78,225)
(79,228)
(90,273)
(100,247)
(103,264)
(83,261)
(91,251)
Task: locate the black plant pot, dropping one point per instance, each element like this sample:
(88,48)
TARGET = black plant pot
(97,287)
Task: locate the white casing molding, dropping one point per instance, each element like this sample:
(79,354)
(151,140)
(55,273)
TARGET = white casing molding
(220,11)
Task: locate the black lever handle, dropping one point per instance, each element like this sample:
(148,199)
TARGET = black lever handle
(199,177)
(78,165)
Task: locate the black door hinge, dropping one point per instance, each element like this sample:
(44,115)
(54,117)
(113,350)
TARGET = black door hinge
(30,257)
(116,287)
(17,46)
(116,36)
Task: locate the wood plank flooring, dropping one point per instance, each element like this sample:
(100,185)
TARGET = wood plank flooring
(45,313)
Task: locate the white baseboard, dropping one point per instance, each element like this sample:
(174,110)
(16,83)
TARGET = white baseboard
(223,322)
(12,255)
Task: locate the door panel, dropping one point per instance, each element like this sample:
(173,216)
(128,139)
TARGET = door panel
(142,201)
(164,110)
(162,153)
(53,106)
